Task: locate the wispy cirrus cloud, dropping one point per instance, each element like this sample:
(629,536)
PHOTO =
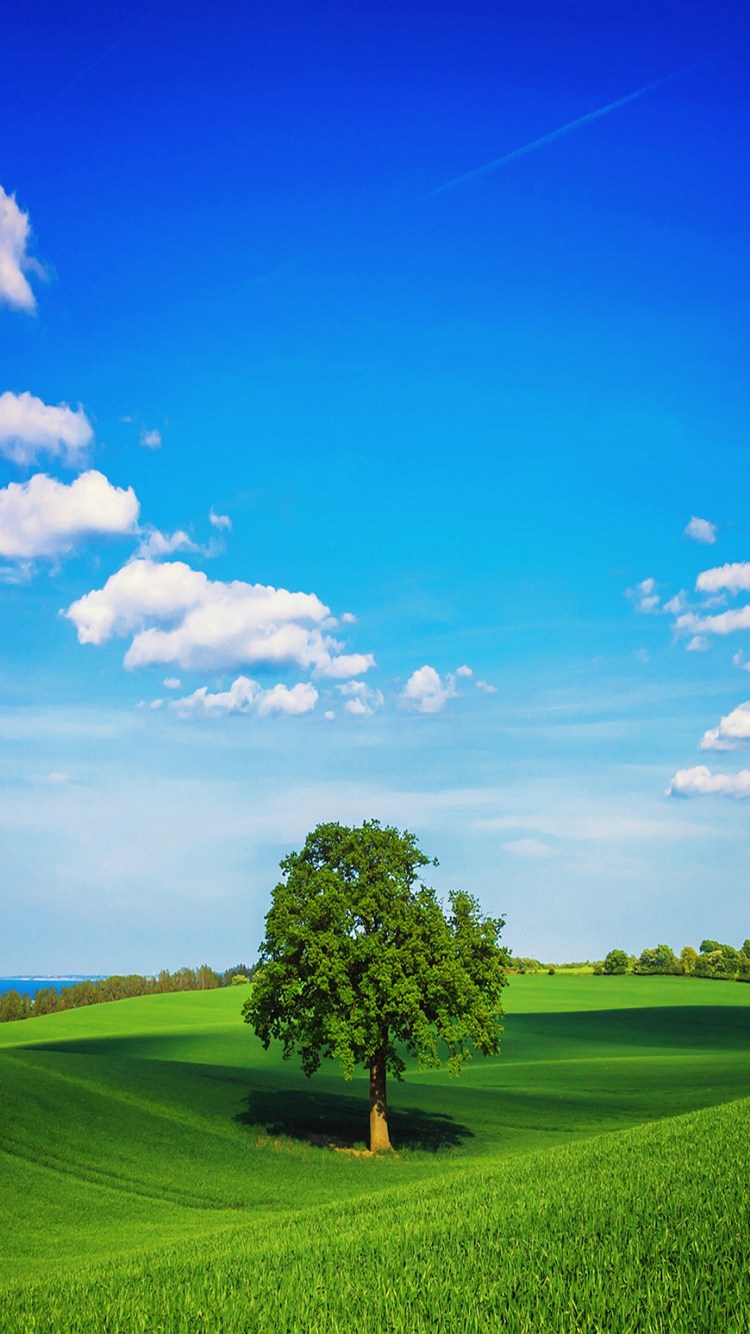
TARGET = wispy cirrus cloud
(29,428)
(495,163)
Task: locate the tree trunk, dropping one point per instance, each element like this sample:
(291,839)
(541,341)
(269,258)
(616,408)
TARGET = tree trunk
(379,1137)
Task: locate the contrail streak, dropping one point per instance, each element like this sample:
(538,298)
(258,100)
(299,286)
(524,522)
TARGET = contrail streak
(555,134)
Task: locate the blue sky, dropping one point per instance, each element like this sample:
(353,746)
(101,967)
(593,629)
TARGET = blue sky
(360,497)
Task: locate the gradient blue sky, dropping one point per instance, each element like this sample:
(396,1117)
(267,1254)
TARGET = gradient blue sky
(474,419)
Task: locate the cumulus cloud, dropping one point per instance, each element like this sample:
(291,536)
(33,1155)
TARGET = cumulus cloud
(486,688)
(29,428)
(701,782)
(698,644)
(644,596)
(44,517)
(734,577)
(676,604)
(177,615)
(427,692)
(247,696)
(701,530)
(150,439)
(220,521)
(155,544)
(724,623)
(15,231)
(361,700)
(732,729)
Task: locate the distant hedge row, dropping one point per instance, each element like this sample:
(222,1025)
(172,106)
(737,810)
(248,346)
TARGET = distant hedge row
(48,1000)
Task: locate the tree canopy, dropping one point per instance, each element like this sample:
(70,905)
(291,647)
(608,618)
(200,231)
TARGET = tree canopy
(360,962)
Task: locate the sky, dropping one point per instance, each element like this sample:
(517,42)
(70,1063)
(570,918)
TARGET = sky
(373,444)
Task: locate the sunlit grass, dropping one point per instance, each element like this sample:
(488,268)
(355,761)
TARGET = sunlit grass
(158,1163)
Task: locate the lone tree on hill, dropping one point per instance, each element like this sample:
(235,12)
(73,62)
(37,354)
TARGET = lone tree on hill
(360,957)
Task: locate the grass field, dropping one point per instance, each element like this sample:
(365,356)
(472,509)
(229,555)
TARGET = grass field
(161,1172)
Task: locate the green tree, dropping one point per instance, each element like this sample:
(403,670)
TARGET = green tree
(709,946)
(661,959)
(616,962)
(359,959)
(689,958)
(722,963)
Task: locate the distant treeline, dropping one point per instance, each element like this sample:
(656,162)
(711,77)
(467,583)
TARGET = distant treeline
(48,1000)
(713,960)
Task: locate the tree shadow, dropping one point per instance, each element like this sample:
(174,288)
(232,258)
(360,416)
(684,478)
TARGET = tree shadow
(337,1121)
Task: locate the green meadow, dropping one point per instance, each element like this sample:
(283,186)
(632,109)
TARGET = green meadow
(161,1172)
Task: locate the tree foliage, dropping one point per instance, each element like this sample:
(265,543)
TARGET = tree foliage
(96,991)
(661,959)
(361,963)
(616,962)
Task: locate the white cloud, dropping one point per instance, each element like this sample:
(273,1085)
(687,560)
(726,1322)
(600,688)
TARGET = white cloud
(150,439)
(329,715)
(154,544)
(220,521)
(733,728)
(531,848)
(361,699)
(301,698)
(644,596)
(44,517)
(177,615)
(676,604)
(642,655)
(486,688)
(247,696)
(701,530)
(734,576)
(701,782)
(347,664)
(698,644)
(171,682)
(464,671)
(15,230)
(427,692)
(29,427)
(725,623)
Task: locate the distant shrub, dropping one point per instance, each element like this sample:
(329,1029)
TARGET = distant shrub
(552,970)
(239,980)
